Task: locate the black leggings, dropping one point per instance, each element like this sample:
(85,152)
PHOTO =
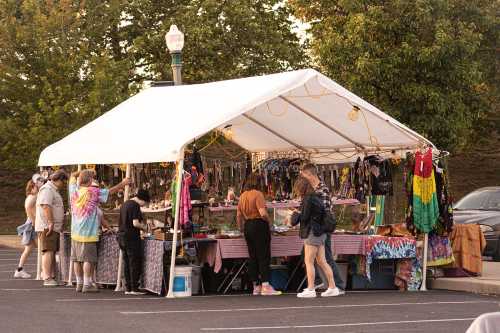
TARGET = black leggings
(132,262)
(258,238)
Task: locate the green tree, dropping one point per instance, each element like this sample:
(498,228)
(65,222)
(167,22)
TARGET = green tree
(65,62)
(433,64)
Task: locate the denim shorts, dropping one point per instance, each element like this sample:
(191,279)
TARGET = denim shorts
(315,240)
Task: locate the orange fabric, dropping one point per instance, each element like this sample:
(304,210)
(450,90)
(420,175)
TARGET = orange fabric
(250,203)
(468,243)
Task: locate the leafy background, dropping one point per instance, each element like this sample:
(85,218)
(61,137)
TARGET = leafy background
(432,64)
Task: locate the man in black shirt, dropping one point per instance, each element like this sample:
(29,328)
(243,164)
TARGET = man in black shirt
(129,239)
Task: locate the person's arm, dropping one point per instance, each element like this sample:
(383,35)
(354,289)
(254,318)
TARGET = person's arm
(47,210)
(31,210)
(120,186)
(261,206)
(139,225)
(137,219)
(305,214)
(240,220)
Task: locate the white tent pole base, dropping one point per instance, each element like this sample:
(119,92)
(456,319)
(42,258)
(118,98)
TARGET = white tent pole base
(423,287)
(39,261)
(126,196)
(180,171)
(69,283)
(119,274)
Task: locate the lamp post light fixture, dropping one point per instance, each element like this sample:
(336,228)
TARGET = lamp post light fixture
(175,43)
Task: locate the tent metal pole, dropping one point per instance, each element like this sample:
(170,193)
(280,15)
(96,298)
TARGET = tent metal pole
(39,253)
(180,172)
(275,133)
(69,283)
(359,145)
(423,287)
(126,196)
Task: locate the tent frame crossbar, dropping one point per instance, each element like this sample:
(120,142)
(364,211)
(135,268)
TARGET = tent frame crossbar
(255,121)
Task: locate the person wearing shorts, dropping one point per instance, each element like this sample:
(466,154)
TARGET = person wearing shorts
(49,221)
(85,224)
(310,217)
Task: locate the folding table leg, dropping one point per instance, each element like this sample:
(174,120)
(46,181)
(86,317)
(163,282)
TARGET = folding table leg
(236,275)
(228,275)
(293,274)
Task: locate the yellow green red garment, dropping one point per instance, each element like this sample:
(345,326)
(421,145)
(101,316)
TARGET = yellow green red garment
(425,204)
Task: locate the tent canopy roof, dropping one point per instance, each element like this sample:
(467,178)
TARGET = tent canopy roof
(299,111)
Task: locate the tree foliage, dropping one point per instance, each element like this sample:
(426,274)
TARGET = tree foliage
(433,64)
(65,62)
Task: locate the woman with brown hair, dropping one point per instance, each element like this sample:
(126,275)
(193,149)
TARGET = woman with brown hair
(253,221)
(310,217)
(27,229)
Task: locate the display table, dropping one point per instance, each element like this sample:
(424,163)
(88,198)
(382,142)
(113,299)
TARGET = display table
(284,246)
(282,205)
(214,252)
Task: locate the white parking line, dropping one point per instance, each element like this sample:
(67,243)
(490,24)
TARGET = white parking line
(36,289)
(335,325)
(340,306)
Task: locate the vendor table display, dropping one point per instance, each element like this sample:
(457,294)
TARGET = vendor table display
(281,205)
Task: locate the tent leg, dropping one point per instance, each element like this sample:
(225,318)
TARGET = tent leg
(126,196)
(180,169)
(39,253)
(423,287)
(70,271)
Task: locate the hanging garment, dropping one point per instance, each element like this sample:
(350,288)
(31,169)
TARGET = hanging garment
(185,200)
(445,202)
(379,212)
(425,205)
(439,251)
(468,244)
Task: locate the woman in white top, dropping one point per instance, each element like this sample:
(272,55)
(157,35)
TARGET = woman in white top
(27,230)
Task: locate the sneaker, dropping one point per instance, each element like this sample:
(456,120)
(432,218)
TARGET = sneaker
(22,274)
(331,292)
(79,288)
(50,283)
(90,289)
(136,293)
(341,291)
(269,291)
(128,293)
(257,290)
(307,293)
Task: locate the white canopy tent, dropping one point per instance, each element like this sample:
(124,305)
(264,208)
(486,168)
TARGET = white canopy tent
(302,112)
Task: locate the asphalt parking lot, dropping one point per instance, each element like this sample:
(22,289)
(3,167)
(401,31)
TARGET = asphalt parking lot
(26,306)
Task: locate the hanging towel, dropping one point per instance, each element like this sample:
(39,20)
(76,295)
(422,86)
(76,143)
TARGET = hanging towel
(425,204)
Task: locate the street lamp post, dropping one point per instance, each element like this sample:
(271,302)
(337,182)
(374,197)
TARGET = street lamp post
(175,43)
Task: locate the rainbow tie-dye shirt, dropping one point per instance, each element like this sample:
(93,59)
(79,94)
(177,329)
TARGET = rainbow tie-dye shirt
(84,217)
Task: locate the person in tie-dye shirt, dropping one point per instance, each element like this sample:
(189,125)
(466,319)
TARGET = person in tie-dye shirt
(85,200)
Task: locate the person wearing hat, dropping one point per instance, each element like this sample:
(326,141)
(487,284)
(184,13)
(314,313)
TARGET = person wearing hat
(85,224)
(49,221)
(129,238)
(27,230)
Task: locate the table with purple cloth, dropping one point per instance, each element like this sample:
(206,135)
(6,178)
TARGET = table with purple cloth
(281,246)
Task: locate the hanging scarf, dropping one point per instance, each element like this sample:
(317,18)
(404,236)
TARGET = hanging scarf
(425,205)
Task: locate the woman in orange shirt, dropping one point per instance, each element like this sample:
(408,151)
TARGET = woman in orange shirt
(253,220)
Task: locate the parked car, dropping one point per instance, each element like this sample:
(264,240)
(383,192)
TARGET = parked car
(482,207)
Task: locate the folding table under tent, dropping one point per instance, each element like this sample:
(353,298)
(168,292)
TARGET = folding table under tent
(301,112)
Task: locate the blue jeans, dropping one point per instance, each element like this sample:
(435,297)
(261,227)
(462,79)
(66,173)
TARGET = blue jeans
(329,259)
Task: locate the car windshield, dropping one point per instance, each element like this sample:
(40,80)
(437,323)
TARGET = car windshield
(480,200)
